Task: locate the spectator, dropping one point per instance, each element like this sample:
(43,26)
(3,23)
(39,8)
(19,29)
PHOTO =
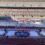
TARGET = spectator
(7,37)
(5,30)
(4,35)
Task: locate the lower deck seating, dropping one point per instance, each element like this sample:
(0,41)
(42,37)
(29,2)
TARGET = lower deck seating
(24,41)
(42,39)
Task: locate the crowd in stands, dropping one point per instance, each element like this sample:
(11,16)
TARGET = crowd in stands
(22,27)
(41,40)
(25,12)
(21,41)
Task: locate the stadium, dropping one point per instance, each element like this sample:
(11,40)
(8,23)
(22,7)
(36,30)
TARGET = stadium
(22,22)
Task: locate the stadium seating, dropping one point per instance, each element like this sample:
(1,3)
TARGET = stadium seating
(28,32)
(20,41)
(22,3)
(41,39)
(30,12)
(23,0)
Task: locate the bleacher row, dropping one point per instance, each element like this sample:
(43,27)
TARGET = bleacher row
(22,3)
(23,0)
(41,39)
(21,12)
(30,28)
(25,41)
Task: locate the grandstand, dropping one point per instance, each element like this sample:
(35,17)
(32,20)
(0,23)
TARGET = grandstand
(22,22)
(22,3)
(23,13)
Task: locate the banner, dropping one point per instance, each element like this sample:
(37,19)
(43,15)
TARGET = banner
(22,19)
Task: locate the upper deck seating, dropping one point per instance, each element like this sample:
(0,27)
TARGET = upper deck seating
(25,12)
(22,3)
